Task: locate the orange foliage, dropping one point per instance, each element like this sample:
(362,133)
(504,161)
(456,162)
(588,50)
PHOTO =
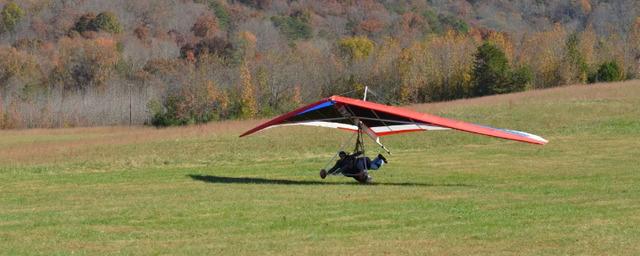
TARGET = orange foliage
(297,95)
(503,42)
(371,25)
(205,26)
(105,42)
(585,5)
(249,37)
(13,119)
(143,33)
(412,21)
(248,43)
(543,52)
(248,105)
(85,62)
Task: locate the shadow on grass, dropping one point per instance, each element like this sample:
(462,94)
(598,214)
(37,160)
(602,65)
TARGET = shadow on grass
(247,180)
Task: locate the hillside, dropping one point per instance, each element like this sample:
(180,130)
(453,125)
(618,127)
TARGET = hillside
(73,63)
(202,190)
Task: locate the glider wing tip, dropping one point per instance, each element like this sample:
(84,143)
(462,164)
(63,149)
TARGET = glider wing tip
(540,141)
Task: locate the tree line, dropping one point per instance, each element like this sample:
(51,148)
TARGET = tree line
(62,66)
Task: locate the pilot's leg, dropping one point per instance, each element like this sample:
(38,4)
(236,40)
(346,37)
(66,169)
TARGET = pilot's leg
(376,163)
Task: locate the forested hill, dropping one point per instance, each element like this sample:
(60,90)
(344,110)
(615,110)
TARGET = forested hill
(173,62)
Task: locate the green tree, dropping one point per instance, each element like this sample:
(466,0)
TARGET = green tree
(574,68)
(491,72)
(454,23)
(295,26)
(607,72)
(224,19)
(219,10)
(440,23)
(520,78)
(84,23)
(105,21)
(434,24)
(11,15)
(108,22)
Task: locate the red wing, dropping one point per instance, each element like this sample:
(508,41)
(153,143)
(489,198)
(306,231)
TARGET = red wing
(343,113)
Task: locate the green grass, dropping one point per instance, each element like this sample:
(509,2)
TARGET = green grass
(201,190)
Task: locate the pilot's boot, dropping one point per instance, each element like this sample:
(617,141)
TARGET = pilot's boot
(383,158)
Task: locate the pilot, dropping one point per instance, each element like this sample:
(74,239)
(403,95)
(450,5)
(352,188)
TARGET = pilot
(355,166)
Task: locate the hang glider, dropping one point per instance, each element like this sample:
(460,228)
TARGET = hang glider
(377,120)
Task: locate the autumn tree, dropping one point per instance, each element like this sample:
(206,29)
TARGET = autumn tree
(356,48)
(17,65)
(143,33)
(411,67)
(245,46)
(264,102)
(543,53)
(450,75)
(248,106)
(85,63)
(199,99)
(2,115)
(411,27)
(260,4)
(219,46)
(502,41)
(370,26)
(108,22)
(296,97)
(632,51)
(574,68)
(438,68)
(587,42)
(105,21)
(11,15)
(205,26)
(380,74)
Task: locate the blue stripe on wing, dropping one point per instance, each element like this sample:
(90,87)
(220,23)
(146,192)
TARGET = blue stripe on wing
(323,105)
(519,133)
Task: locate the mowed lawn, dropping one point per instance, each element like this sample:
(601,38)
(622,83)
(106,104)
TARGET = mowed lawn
(202,190)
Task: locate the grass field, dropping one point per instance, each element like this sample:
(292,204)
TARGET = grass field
(202,190)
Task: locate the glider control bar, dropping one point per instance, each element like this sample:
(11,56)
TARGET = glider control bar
(373,136)
(362,127)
